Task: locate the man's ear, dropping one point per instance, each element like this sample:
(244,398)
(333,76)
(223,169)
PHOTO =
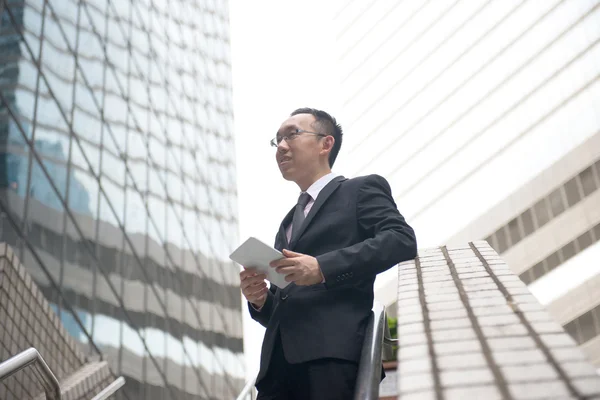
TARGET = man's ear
(328,142)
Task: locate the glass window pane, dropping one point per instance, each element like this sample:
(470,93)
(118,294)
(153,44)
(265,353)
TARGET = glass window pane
(572,330)
(527,219)
(514,232)
(541,212)
(538,271)
(572,190)
(501,240)
(588,182)
(586,325)
(557,204)
(552,261)
(585,240)
(568,251)
(526,277)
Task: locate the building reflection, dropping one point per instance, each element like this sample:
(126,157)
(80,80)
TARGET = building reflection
(108,192)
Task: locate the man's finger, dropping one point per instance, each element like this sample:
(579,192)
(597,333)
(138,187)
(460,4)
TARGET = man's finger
(283,262)
(289,253)
(251,281)
(247,272)
(252,292)
(255,294)
(286,270)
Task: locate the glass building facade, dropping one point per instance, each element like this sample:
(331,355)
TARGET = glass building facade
(117,183)
(483,115)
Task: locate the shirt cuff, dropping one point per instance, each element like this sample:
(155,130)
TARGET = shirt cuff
(257,308)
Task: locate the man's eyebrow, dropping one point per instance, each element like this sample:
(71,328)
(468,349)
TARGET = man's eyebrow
(288,129)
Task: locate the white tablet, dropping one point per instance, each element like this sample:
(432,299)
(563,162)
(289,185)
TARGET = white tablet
(254,253)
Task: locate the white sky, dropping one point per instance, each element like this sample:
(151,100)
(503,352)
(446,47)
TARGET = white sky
(282,57)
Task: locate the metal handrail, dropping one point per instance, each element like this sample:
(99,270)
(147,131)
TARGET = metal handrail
(369,367)
(45,375)
(248,390)
(110,389)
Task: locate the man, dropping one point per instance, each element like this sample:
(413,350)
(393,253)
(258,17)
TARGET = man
(339,236)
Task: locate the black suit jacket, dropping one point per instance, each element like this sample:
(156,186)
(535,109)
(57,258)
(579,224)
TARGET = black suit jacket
(355,231)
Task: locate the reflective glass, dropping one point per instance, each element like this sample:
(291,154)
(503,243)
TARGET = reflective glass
(149,189)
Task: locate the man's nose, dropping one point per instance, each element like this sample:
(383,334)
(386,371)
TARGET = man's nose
(283,146)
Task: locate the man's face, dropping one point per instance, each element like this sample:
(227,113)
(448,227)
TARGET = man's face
(298,158)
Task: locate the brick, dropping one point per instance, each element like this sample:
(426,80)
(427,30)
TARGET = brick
(487,301)
(420,365)
(461,361)
(504,330)
(420,395)
(448,314)
(579,369)
(412,339)
(466,377)
(440,289)
(470,275)
(414,382)
(412,309)
(409,318)
(412,352)
(463,346)
(529,373)
(492,310)
(558,340)
(450,305)
(405,329)
(498,319)
(479,282)
(441,298)
(487,392)
(589,386)
(511,343)
(480,287)
(539,390)
(450,324)
(408,294)
(453,335)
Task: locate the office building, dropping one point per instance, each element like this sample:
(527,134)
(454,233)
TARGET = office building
(117,183)
(483,115)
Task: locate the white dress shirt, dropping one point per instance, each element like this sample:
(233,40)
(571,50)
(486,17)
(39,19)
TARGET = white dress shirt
(313,192)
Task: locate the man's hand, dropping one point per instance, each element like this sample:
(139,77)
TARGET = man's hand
(254,287)
(300,268)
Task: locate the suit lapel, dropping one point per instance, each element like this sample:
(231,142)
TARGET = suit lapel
(321,199)
(283,242)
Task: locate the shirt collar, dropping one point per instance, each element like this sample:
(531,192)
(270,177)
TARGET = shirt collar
(316,187)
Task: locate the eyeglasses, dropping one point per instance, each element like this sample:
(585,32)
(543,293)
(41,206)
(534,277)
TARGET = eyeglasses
(293,135)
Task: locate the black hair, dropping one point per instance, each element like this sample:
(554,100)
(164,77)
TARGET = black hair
(326,125)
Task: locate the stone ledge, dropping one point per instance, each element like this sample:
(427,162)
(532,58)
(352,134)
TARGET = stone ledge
(469,328)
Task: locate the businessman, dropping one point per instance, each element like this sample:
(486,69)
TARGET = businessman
(338,237)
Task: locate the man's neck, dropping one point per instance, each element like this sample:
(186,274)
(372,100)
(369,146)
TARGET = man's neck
(308,183)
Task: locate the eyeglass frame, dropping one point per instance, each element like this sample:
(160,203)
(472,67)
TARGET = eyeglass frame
(275,143)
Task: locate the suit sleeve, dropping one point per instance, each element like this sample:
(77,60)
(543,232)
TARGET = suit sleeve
(388,238)
(264,315)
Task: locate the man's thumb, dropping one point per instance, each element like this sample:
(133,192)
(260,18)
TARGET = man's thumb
(289,253)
